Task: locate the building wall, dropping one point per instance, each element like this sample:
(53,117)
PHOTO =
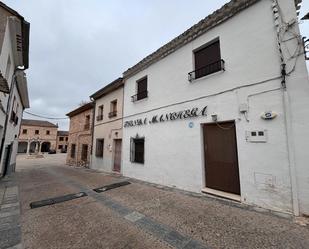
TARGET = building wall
(63,143)
(79,136)
(174,151)
(7,70)
(42,136)
(109,129)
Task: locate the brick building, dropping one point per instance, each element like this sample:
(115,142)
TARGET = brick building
(62,141)
(80,135)
(37,132)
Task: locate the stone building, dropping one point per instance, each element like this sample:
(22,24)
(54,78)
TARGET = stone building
(107,131)
(42,134)
(224,109)
(80,135)
(14,60)
(62,141)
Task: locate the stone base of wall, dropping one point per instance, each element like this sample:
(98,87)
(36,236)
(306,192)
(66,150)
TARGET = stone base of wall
(77,164)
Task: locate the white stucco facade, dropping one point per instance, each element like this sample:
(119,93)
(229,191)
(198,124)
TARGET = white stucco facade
(15,101)
(273,174)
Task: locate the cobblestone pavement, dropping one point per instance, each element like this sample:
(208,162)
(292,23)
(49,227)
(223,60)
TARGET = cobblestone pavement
(138,215)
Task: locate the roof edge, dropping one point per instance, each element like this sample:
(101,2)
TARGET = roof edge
(219,16)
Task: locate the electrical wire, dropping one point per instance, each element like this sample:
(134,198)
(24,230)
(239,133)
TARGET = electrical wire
(45,117)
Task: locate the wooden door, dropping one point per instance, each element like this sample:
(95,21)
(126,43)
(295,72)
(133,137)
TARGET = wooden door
(221,162)
(84,152)
(117,155)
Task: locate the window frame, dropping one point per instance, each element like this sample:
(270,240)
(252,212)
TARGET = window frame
(133,150)
(99,154)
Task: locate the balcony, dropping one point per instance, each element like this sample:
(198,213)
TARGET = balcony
(207,70)
(139,96)
(99,117)
(112,114)
(87,126)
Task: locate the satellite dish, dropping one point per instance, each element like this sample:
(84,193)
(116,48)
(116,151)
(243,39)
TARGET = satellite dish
(269,115)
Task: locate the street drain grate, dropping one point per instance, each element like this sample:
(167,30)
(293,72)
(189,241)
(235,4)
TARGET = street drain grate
(111,186)
(55,200)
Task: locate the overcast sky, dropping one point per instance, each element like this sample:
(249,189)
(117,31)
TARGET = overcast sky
(78,46)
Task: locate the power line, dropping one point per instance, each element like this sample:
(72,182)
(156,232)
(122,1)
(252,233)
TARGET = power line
(40,116)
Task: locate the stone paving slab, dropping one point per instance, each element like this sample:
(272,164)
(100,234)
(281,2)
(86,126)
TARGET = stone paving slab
(10,230)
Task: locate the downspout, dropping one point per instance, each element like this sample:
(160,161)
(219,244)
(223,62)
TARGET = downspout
(92,130)
(287,111)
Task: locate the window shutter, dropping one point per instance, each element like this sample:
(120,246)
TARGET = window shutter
(132,149)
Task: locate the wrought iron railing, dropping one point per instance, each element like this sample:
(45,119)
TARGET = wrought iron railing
(209,69)
(139,96)
(112,114)
(99,117)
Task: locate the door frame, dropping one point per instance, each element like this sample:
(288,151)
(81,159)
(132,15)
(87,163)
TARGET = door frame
(114,154)
(206,189)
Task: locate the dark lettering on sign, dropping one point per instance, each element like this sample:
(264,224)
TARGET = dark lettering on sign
(184,114)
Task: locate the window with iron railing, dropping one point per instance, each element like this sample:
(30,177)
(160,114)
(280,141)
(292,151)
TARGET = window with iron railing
(141,89)
(112,114)
(207,60)
(99,117)
(206,70)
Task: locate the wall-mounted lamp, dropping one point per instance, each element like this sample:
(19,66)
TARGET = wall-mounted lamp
(214,117)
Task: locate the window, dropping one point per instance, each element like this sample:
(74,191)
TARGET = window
(47,132)
(37,132)
(100,113)
(73,149)
(60,147)
(60,138)
(137,150)
(113,112)
(141,89)
(99,147)
(67,138)
(25,131)
(87,123)
(207,60)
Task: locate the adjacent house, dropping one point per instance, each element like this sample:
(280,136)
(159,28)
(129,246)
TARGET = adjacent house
(223,109)
(37,134)
(14,45)
(107,130)
(80,136)
(62,141)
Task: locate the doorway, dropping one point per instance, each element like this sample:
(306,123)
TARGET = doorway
(84,155)
(221,161)
(117,155)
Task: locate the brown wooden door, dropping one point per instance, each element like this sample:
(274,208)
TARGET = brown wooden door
(117,155)
(221,162)
(84,152)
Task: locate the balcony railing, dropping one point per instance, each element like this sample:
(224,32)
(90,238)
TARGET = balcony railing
(99,117)
(112,114)
(139,96)
(207,70)
(86,127)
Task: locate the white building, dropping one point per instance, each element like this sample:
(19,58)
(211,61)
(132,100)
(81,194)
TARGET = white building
(14,43)
(224,109)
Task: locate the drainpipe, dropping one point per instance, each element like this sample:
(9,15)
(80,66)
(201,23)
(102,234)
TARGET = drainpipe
(92,130)
(290,143)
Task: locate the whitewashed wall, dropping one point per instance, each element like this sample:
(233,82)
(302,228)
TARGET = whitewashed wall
(108,129)
(173,151)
